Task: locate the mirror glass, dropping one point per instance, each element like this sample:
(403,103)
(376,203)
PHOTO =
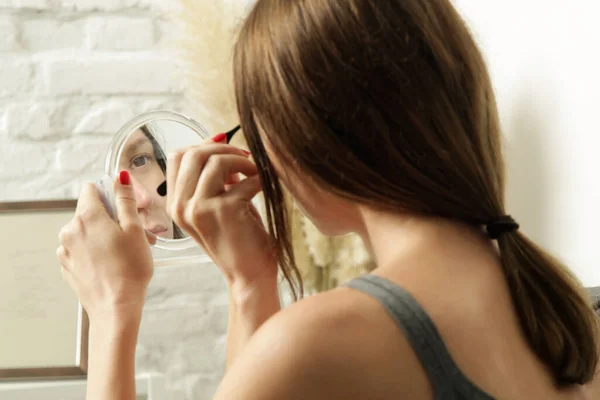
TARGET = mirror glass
(143,151)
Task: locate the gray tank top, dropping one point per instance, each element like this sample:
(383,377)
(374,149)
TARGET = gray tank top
(448,382)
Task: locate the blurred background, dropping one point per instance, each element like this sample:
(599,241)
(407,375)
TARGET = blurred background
(544,59)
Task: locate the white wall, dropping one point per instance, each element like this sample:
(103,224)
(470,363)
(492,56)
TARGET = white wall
(71,73)
(544,57)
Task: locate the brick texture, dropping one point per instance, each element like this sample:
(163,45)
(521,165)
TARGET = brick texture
(72,73)
(121,33)
(52,34)
(8,34)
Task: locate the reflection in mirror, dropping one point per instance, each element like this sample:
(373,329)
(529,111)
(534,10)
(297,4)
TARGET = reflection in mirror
(144,156)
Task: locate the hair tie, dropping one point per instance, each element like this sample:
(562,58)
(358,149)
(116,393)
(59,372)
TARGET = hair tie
(500,226)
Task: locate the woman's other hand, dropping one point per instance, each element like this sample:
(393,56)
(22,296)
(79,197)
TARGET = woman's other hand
(207,199)
(108,264)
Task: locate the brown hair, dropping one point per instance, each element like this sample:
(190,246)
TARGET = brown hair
(161,159)
(389,103)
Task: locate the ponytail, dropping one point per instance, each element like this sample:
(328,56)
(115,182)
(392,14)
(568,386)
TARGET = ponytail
(555,312)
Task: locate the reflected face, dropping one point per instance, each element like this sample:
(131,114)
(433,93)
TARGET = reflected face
(139,158)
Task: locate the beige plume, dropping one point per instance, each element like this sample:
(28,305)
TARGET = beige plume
(205,40)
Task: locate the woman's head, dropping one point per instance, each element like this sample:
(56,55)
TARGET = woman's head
(385,103)
(389,104)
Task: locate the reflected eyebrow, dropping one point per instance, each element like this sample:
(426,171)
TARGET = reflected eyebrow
(134,146)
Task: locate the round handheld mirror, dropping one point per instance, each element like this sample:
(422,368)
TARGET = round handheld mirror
(141,148)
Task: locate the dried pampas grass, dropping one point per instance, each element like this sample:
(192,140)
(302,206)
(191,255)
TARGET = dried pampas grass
(207,33)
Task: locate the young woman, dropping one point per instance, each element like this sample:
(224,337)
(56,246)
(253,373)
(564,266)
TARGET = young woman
(379,118)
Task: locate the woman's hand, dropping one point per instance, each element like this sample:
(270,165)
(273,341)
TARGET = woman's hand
(108,264)
(208,201)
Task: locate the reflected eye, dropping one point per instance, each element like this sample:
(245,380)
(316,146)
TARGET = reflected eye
(140,161)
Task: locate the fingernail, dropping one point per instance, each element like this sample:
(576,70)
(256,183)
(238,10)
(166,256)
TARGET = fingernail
(221,137)
(124,177)
(246,153)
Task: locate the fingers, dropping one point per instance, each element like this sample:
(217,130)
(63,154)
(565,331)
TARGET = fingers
(151,238)
(62,255)
(190,169)
(246,189)
(63,259)
(89,204)
(64,237)
(233,179)
(65,274)
(174,163)
(185,167)
(125,202)
(217,171)
(75,228)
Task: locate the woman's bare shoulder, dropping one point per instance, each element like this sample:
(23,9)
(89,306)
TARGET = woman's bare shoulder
(334,343)
(357,335)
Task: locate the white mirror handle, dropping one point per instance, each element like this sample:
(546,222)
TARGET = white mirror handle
(106,192)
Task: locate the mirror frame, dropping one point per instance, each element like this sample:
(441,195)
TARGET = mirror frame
(79,369)
(116,146)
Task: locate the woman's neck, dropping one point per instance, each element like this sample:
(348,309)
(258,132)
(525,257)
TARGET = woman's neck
(394,239)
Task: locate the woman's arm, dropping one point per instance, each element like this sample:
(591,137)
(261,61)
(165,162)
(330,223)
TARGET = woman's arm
(109,266)
(216,210)
(281,360)
(111,357)
(249,308)
(319,348)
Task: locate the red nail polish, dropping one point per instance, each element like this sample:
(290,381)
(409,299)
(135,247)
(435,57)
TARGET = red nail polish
(247,153)
(221,137)
(124,177)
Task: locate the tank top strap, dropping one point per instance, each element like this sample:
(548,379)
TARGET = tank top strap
(446,378)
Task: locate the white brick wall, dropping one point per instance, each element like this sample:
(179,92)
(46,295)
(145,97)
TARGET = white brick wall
(107,74)
(49,33)
(16,77)
(121,33)
(71,73)
(75,71)
(8,34)
(26,4)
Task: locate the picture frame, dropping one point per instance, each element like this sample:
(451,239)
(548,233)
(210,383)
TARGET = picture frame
(43,327)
